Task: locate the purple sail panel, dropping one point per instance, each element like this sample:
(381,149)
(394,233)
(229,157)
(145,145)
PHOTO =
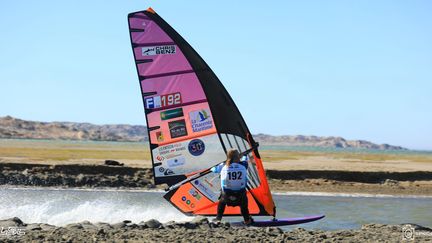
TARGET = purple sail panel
(186,84)
(182,133)
(160,64)
(151,32)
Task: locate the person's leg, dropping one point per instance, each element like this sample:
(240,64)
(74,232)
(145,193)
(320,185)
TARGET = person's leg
(221,207)
(244,208)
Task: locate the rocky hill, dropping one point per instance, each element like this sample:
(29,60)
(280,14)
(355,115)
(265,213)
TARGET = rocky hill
(16,128)
(315,141)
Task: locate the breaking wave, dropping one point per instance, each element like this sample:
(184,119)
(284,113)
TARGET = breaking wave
(61,207)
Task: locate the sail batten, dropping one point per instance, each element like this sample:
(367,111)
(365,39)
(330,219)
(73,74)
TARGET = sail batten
(193,120)
(159,75)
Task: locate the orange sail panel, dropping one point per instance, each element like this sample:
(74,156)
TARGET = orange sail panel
(200,195)
(192,120)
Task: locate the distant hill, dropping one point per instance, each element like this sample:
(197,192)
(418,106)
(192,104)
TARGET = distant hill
(315,141)
(11,127)
(16,128)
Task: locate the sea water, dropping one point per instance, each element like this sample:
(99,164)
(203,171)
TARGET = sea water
(343,211)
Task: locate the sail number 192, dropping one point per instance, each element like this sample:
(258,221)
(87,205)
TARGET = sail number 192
(163,101)
(170,99)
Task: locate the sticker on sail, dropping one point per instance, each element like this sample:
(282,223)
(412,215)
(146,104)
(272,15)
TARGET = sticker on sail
(160,136)
(168,172)
(163,101)
(177,161)
(171,114)
(194,193)
(158,50)
(196,147)
(177,128)
(201,120)
(171,150)
(207,189)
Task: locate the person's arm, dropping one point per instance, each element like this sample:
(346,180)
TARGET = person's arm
(244,161)
(217,168)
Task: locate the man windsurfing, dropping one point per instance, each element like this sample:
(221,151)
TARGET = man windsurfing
(233,175)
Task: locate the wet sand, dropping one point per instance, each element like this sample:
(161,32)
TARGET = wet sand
(198,230)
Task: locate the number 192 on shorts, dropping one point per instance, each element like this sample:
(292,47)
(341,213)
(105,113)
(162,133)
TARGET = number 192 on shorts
(163,101)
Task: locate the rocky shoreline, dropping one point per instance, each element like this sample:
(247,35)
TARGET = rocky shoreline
(103,176)
(75,176)
(197,230)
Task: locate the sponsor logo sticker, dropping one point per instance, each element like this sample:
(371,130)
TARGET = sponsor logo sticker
(201,120)
(168,172)
(171,150)
(207,190)
(170,114)
(177,161)
(163,101)
(196,147)
(160,136)
(177,128)
(158,50)
(194,193)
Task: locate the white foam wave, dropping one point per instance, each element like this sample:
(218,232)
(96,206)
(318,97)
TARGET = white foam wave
(71,206)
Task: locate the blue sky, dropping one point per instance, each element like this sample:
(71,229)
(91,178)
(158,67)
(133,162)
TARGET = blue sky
(356,69)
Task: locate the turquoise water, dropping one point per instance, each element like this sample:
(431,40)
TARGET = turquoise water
(344,150)
(61,207)
(350,212)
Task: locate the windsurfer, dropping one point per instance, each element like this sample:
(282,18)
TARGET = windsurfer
(233,183)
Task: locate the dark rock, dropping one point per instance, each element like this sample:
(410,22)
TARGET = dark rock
(89,226)
(74,226)
(153,224)
(47,227)
(216,224)
(142,225)
(104,226)
(80,178)
(33,227)
(190,225)
(389,182)
(12,222)
(200,220)
(119,225)
(113,163)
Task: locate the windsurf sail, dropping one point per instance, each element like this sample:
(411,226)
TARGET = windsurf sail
(192,121)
